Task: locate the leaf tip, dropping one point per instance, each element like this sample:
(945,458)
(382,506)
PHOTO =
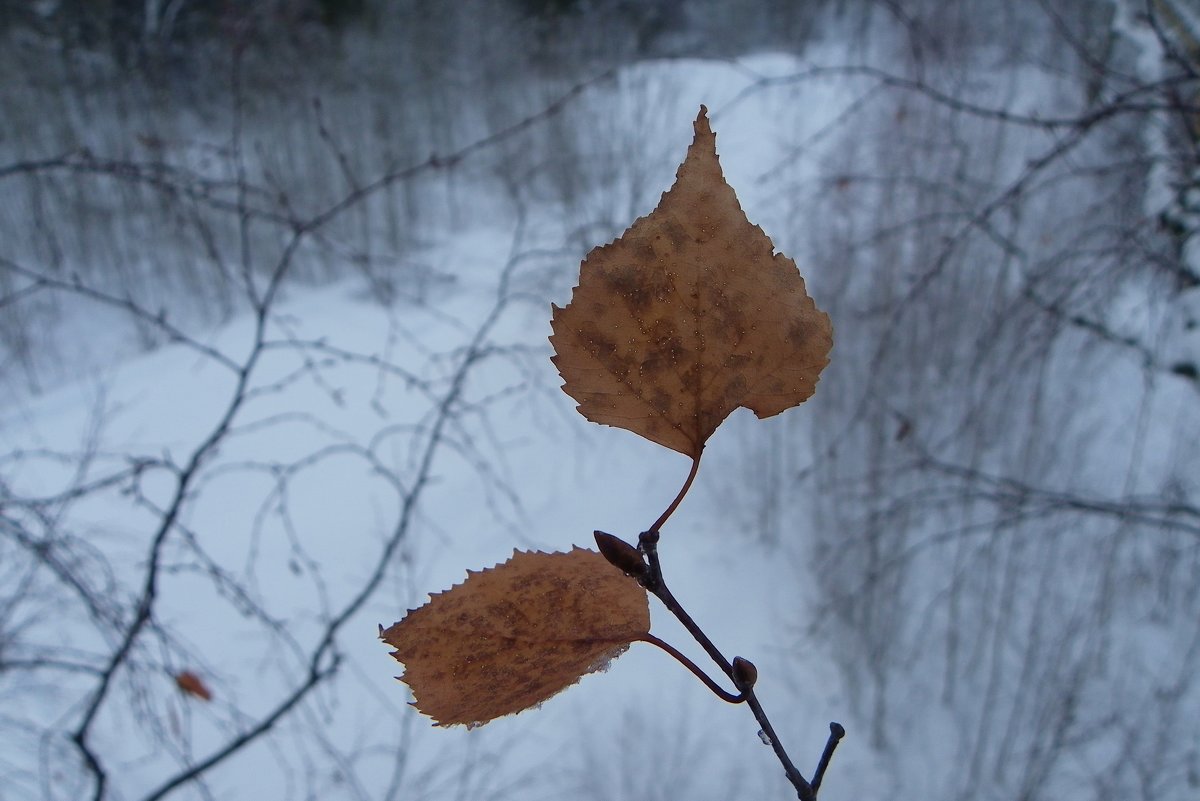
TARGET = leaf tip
(701,126)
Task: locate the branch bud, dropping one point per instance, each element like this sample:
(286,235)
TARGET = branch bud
(744,673)
(621,555)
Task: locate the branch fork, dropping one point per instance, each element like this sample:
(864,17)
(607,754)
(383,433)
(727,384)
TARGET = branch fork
(642,563)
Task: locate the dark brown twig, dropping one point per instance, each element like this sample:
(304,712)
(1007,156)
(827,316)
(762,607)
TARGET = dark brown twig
(652,580)
(836,733)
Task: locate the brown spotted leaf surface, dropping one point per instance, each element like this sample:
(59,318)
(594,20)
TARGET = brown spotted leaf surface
(688,315)
(512,636)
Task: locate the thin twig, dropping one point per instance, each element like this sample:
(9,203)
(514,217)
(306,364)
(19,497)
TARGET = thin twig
(654,583)
(836,733)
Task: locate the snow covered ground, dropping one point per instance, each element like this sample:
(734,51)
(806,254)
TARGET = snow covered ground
(287,517)
(395,445)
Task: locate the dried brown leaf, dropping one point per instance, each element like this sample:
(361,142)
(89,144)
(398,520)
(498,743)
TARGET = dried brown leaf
(512,636)
(689,315)
(188,682)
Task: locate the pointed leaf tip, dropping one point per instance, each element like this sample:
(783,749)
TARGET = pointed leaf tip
(689,315)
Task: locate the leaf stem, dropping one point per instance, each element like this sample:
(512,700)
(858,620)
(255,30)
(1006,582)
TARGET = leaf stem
(721,693)
(687,484)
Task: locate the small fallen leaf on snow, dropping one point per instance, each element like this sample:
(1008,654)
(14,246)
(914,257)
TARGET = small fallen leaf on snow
(689,315)
(512,636)
(190,683)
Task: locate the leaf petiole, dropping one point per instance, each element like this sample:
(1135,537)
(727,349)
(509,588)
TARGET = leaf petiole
(687,484)
(724,695)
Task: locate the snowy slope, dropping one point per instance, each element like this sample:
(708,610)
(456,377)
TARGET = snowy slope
(297,502)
